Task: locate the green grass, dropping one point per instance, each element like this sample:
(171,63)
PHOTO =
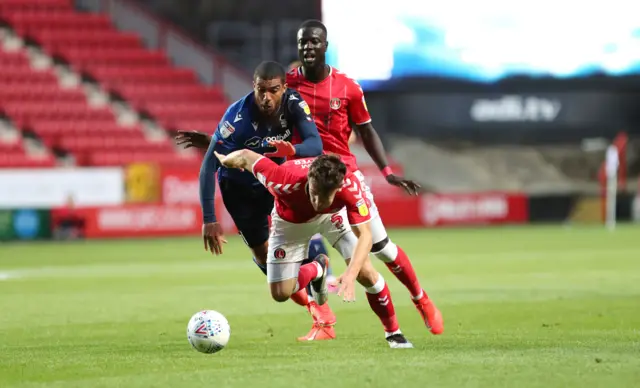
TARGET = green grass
(523,307)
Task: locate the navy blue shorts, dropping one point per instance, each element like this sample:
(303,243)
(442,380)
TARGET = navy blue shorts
(250,208)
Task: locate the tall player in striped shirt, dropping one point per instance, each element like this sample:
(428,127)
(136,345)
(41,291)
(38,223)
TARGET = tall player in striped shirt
(336,102)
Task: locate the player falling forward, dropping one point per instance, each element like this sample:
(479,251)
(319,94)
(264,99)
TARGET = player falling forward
(262,119)
(319,196)
(336,101)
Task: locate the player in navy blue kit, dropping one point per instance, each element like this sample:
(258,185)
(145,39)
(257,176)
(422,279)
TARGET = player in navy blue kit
(263,121)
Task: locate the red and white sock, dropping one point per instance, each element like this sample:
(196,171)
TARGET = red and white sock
(301,297)
(379,298)
(307,273)
(399,264)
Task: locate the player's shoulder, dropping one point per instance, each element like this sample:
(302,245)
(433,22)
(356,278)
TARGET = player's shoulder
(343,78)
(292,96)
(239,105)
(293,76)
(351,184)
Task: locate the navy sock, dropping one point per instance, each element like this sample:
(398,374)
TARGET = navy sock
(316,247)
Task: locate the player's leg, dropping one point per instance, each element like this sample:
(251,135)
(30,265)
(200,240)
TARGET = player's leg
(316,247)
(286,278)
(339,234)
(289,242)
(399,264)
(252,223)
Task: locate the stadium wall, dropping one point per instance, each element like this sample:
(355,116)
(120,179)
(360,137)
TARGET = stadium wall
(145,200)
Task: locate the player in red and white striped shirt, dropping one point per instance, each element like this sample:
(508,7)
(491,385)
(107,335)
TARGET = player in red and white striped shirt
(319,196)
(336,102)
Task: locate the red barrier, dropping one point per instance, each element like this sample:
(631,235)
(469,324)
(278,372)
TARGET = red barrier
(140,220)
(434,210)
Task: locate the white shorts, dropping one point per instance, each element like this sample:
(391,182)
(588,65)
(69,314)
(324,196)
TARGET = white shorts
(289,242)
(378,231)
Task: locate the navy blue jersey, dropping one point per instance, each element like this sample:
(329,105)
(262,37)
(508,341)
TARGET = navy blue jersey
(244,126)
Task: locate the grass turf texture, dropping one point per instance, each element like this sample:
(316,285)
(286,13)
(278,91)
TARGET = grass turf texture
(523,307)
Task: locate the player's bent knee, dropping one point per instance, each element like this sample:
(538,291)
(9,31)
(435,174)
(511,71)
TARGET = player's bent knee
(385,250)
(279,292)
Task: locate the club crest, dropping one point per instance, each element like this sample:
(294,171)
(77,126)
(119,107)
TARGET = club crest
(335,103)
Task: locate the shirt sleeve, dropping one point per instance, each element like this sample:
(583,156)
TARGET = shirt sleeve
(311,143)
(220,141)
(356,203)
(271,174)
(357,107)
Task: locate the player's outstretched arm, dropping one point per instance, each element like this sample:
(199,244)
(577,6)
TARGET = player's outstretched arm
(243,159)
(375,149)
(359,257)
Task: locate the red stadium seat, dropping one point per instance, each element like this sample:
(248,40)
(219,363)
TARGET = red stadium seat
(56,40)
(26,21)
(21,160)
(63,119)
(115,56)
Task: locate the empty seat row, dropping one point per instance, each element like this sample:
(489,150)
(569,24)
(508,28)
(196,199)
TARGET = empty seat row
(87,56)
(139,93)
(27,112)
(40,92)
(21,160)
(114,76)
(11,74)
(98,143)
(189,124)
(90,126)
(54,39)
(35,4)
(26,21)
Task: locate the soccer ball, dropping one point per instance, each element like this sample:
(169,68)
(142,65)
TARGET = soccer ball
(208,331)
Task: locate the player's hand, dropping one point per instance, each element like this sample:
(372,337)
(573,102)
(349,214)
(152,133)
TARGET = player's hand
(347,287)
(233,160)
(193,139)
(283,149)
(213,237)
(408,185)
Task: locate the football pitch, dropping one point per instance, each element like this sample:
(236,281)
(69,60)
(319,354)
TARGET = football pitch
(523,307)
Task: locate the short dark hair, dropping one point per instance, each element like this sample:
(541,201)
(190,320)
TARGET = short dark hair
(327,171)
(269,70)
(313,23)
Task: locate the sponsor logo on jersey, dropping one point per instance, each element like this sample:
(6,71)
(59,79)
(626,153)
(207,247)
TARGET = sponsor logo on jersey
(292,97)
(335,103)
(305,107)
(254,142)
(279,253)
(226,129)
(363,209)
(257,141)
(283,121)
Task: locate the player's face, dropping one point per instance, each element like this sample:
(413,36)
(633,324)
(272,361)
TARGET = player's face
(320,200)
(268,94)
(312,46)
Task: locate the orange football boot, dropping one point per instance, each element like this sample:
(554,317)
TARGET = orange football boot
(323,321)
(318,333)
(430,314)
